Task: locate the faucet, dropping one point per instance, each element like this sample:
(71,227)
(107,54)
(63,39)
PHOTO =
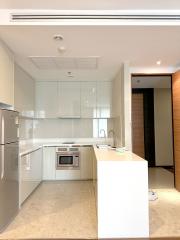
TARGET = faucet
(113,134)
(102,130)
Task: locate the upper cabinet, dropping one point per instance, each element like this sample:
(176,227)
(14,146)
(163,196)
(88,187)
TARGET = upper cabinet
(24,92)
(6,76)
(104,99)
(69,100)
(88,99)
(47,102)
(73,99)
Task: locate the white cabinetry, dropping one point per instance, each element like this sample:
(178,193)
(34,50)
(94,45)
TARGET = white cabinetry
(88,99)
(86,162)
(24,92)
(69,100)
(49,163)
(73,99)
(47,99)
(104,99)
(7,75)
(68,174)
(30,173)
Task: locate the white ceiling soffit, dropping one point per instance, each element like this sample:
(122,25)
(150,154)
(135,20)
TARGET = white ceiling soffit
(90,4)
(52,62)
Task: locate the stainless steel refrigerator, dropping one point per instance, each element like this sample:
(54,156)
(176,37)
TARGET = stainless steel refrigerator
(9,166)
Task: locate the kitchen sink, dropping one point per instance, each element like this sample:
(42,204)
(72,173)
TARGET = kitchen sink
(103,146)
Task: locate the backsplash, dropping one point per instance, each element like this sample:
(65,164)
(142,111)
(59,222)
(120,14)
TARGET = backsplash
(71,128)
(25,129)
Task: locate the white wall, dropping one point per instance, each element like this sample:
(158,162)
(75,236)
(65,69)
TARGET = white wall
(7,75)
(26,129)
(163,127)
(122,107)
(117,108)
(24,92)
(127,106)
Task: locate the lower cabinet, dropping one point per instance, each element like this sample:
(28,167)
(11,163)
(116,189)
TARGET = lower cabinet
(49,163)
(30,173)
(86,163)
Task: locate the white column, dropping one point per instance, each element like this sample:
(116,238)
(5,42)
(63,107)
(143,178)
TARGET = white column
(127,107)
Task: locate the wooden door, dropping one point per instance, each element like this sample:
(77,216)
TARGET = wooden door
(176,125)
(138,124)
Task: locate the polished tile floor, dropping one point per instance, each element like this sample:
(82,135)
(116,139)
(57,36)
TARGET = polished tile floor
(160,178)
(165,211)
(63,209)
(67,209)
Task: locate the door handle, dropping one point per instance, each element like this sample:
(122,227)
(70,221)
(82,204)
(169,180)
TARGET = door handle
(2,162)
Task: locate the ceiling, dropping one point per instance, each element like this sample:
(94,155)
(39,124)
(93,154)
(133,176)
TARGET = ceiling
(90,4)
(142,46)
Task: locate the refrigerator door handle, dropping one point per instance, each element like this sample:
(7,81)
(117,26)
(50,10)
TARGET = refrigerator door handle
(2,162)
(2,130)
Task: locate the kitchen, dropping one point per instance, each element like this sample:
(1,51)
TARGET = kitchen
(71,89)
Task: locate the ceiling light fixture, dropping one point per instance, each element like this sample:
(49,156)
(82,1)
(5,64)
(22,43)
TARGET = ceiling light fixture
(62,49)
(58,37)
(70,74)
(158,62)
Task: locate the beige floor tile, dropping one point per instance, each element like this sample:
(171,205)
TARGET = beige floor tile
(64,209)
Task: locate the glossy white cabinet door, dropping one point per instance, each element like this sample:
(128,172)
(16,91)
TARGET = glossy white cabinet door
(49,163)
(30,173)
(7,75)
(69,100)
(88,99)
(104,99)
(86,163)
(68,174)
(47,99)
(26,185)
(36,158)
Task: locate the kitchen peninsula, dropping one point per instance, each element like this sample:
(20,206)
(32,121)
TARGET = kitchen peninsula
(122,194)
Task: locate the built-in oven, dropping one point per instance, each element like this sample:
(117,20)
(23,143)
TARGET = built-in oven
(67,158)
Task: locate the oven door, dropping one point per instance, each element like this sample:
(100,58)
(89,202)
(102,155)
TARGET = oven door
(65,161)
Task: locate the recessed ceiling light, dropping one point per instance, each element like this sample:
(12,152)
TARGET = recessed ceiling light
(58,37)
(61,49)
(70,74)
(158,62)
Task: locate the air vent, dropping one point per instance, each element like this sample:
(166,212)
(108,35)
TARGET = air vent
(51,62)
(47,17)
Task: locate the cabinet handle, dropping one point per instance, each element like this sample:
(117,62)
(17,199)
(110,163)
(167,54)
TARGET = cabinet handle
(28,163)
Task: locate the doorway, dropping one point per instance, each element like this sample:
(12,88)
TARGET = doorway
(152,133)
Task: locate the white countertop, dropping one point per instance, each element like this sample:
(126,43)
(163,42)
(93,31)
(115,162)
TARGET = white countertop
(113,155)
(35,144)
